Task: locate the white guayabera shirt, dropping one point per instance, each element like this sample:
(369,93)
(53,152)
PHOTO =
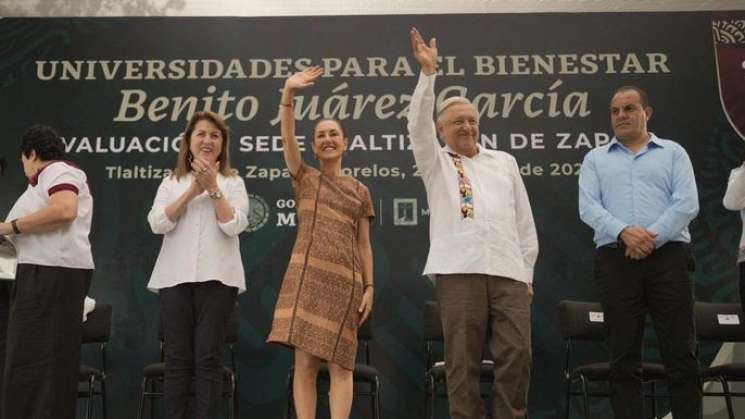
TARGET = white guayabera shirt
(500,239)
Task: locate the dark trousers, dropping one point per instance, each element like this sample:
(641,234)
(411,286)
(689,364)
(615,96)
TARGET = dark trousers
(43,342)
(194,317)
(478,309)
(5,287)
(661,285)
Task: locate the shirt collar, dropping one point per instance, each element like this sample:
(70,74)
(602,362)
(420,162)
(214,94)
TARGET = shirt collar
(479,152)
(35,178)
(654,142)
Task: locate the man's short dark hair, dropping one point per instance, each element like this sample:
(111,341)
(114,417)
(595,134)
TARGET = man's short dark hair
(44,141)
(644,99)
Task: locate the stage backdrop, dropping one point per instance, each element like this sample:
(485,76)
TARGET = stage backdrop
(120,91)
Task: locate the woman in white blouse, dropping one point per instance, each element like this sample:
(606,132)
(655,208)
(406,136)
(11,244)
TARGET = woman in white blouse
(734,199)
(200,209)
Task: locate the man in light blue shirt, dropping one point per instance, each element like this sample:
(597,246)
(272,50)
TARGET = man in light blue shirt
(638,193)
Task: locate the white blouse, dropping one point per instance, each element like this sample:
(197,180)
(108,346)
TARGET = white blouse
(734,199)
(197,247)
(68,246)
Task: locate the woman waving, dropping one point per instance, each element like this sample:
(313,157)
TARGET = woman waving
(327,291)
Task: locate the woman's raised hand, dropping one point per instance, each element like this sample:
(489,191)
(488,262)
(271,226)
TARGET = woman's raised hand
(303,79)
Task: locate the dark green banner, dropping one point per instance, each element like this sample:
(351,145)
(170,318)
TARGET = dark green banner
(120,90)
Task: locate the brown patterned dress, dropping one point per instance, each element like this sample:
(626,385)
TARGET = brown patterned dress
(322,288)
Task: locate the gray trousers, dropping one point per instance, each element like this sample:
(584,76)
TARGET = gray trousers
(479,310)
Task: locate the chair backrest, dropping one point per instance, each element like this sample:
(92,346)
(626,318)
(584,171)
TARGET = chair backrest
(719,322)
(432,322)
(364,336)
(97,327)
(581,320)
(364,331)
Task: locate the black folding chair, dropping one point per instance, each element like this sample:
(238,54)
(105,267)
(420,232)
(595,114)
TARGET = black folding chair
(96,330)
(721,322)
(435,377)
(365,376)
(152,381)
(583,321)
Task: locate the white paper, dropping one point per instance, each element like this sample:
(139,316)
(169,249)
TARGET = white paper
(728,319)
(596,316)
(8,259)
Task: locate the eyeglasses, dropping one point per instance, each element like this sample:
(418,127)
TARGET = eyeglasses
(464,185)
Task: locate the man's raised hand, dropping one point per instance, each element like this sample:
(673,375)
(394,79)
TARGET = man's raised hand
(425,54)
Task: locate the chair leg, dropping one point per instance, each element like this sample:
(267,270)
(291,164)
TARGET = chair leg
(236,398)
(228,396)
(426,397)
(585,397)
(374,405)
(290,404)
(103,398)
(89,402)
(727,397)
(233,397)
(153,383)
(433,397)
(568,398)
(141,410)
(376,396)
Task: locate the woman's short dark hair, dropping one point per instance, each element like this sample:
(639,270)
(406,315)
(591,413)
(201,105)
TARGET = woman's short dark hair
(44,141)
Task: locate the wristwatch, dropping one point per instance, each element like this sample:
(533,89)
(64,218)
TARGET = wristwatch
(216,194)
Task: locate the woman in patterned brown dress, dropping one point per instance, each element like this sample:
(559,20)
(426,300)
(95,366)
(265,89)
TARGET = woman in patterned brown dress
(327,291)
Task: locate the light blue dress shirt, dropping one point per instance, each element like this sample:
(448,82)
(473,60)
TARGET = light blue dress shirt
(654,189)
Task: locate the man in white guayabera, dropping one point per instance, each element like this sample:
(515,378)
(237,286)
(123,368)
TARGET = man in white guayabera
(483,247)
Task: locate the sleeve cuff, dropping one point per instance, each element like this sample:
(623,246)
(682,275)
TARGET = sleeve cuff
(422,74)
(661,239)
(160,223)
(235,225)
(615,229)
(63,187)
